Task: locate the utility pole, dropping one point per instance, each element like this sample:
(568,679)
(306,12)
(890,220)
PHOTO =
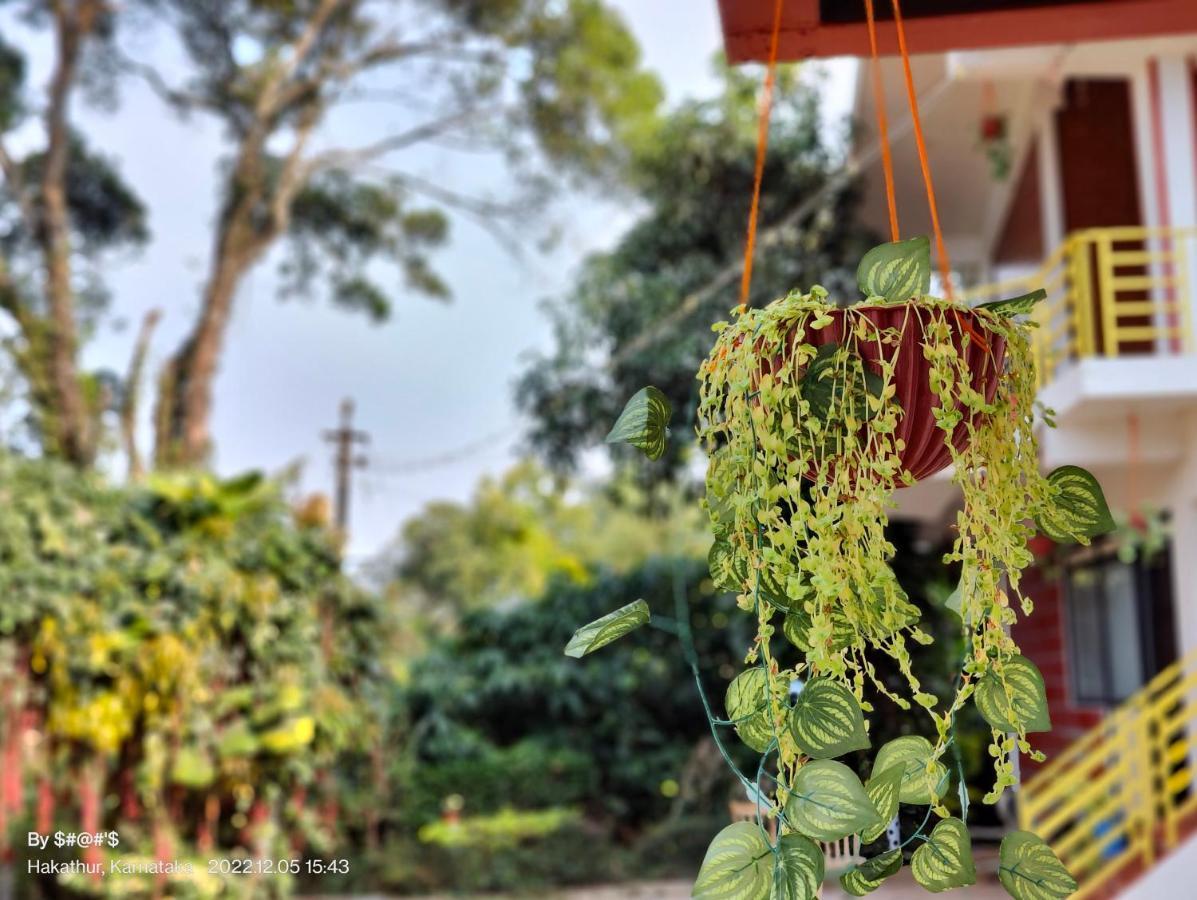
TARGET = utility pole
(344,438)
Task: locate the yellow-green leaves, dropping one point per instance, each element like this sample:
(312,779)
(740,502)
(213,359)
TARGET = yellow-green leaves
(747,705)
(867,877)
(838,380)
(1077,509)
(919,785)
(644,422)
(897,271)
(945,860)
(828,802)
(883,789)
(738,866)
(827,721)
(1029,870)
(798,871)
(1014,698)
(1015,306)
(610,627)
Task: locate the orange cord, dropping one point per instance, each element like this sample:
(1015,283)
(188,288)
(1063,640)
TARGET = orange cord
(887,160)
(945,267)
(762,145)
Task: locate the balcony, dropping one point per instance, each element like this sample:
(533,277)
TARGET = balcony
(1112,293)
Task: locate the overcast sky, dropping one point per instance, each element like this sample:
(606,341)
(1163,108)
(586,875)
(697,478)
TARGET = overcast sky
(434,380)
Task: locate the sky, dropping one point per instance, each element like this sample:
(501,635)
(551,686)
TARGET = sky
(433,386)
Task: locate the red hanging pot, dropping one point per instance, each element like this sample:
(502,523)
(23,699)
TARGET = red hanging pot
(925,451)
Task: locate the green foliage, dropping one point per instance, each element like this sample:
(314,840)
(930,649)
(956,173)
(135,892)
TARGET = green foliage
(826,720)
(1013,697)
(868,876)
(610,627)
(1016,306)
(1077,508)
(189,635)
(945,859)
(896,272)
(1029,870)
(738,866)
(883,789)
(922,779)
(798,872)
(647,303)
(644,423)
(506,828)
(748,705)
(828,802)
(524,529)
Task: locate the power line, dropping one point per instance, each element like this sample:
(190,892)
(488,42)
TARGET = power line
(344,438)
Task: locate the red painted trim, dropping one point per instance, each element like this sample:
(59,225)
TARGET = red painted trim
(1160,168)
(746,28)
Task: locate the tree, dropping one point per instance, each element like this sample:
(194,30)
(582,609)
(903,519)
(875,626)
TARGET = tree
(531,81)
(519,76)
(631,318)
(65,208)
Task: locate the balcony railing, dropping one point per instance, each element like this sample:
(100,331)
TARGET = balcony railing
(1111,292)
(1122,795)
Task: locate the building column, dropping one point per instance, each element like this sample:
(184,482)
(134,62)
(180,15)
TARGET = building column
(1184,538)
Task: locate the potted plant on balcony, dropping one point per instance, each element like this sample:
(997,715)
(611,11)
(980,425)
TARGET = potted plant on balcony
(813,414)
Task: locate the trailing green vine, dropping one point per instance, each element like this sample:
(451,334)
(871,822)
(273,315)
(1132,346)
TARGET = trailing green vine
(813,415)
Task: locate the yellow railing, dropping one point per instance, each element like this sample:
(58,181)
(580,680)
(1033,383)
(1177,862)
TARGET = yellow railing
(1116,798)
(1110,292)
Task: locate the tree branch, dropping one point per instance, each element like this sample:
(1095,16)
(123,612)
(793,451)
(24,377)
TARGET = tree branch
(132,397)
(342,158)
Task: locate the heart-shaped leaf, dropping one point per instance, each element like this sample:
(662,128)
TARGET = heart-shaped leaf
(839,383)
(644,422)
(883,791)
(945,860)
(828,802)
(867,877)
(738,866)
(796,628)
(1016,306)
(827,721)
(798,871)
(1077,509)
(727,571)
(913,752)
(747,704)
(1029,870)
(896,272)
(1015,698)
(610,627)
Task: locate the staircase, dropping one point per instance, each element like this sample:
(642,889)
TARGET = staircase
(1121,797)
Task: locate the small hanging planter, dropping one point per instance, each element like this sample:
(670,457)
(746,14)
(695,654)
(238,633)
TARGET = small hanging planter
(813,414)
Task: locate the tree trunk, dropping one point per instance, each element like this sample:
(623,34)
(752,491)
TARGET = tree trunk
(72,429)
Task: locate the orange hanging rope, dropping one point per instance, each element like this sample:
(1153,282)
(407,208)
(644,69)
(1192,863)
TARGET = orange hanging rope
(945,266)
(887,160)
(762,145)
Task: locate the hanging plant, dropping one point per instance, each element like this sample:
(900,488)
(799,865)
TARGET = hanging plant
(813,414)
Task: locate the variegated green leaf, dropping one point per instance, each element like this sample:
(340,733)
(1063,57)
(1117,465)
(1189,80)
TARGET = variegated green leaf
(1016,697)
(798,871)
(867,877)
(644,422)
(828,802)
(728,572)
(796,628)
(747,704)
(839,383)
(1077,509)
(738,866)
(827,721)
(1016,306)
(897,271)
(610,627)
(919,786)
(1029,870)
(945,860)
(883,790)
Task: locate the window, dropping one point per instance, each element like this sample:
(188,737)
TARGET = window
(1119,619)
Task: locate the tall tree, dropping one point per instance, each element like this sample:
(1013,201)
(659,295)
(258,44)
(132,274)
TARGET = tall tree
(642,313)
(524,78)
(63,207)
